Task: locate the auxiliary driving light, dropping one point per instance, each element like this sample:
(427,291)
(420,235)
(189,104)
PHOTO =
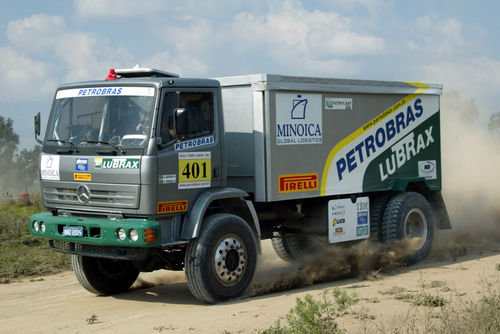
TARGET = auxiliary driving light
(35,226)
(43,227)
(134,235)
(121,234)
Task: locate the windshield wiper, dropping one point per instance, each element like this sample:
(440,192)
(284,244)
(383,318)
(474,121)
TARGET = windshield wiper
(105,142)
(73,146)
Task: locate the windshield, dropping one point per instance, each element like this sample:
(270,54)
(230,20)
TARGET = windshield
(117,115)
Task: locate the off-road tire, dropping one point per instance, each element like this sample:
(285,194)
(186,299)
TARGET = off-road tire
(377,209)
(409,215)
(293,246)
(221,262)
(104,276)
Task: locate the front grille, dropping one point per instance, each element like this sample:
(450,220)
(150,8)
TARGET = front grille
(122,253)
(116,196)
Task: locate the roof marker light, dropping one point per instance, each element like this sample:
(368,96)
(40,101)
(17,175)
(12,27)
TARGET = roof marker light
(112,75)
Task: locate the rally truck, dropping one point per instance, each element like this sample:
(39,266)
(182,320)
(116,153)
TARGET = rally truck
(146,170)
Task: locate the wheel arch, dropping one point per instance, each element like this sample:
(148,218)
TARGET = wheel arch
(436,201)
(232,200)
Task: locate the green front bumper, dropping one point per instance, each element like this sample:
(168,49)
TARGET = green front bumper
(98,231)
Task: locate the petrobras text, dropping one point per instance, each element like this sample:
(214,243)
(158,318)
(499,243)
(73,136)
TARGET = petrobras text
(392,129)
(105,91)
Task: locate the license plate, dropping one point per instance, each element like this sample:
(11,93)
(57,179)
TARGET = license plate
(73,231)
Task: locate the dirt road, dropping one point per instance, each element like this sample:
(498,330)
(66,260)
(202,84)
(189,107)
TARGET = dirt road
(161,301)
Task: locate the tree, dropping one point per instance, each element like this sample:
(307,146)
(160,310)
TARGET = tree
(494,124)
(26,163)
(8,146)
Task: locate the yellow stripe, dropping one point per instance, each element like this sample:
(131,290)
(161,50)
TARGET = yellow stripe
(421,88)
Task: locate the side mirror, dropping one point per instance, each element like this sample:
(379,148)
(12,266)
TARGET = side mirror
(37,127)
(180,122)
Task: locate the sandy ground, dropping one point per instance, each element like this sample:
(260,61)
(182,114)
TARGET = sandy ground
(161,301)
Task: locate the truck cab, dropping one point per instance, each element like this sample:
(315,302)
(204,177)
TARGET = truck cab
(123,162)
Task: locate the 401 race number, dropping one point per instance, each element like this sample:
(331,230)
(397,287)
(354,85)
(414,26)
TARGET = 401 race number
(195,170)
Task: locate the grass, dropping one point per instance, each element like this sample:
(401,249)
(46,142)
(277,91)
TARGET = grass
(315,315)
(427,314)
(22,255)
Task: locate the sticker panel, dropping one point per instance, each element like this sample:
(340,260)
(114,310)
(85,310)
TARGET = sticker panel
(195,170)
(171,207)
(194,143)
(167,178)
(117,163)
(82,165)
(347,220)
(335,103)
(82,176)
(49,167)
(427,169)
(299,119)
(298,183)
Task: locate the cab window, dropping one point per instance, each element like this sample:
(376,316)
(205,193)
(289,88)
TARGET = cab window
(186,115)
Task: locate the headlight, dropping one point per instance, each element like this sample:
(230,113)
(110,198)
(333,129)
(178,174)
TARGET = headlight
(121,234)
(35,226)
(42,227)
(134,235)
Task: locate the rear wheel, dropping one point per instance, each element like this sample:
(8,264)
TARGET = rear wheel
(409,216)
(293,246)
(377,209)
(104,276)
(221,262)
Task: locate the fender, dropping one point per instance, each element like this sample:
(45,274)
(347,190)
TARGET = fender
(192,222)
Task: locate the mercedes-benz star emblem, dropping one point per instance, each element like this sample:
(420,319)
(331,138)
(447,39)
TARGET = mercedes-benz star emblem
(83,194)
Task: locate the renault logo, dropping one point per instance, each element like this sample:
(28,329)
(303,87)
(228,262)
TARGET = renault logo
(83,194)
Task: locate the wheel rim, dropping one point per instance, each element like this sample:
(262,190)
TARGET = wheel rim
(230,260)
(416,228)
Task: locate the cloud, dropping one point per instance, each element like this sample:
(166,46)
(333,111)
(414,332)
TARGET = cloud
(35,34)
(117,9)
(73,55)
(23,77)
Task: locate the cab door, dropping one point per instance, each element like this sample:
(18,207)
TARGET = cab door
(189,155)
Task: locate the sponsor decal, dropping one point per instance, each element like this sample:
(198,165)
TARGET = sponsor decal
(105,91)
(298,182)
(195,170)
(49,167)
(335,103)
(363,218)
(194,143)
(82,176)
(362,231)
(299,119)
(171,207)
(404,150)
(348,220)
(427,169)
(167,178)
(348,160)
(339,231)
(117,163)
(82,165)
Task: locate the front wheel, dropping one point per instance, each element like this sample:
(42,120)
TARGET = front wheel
(221,262)
(104,276)
(408,216)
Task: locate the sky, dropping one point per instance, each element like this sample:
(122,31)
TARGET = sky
(45,43)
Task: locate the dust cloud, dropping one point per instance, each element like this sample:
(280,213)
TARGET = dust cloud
(471,182)
(331,263)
